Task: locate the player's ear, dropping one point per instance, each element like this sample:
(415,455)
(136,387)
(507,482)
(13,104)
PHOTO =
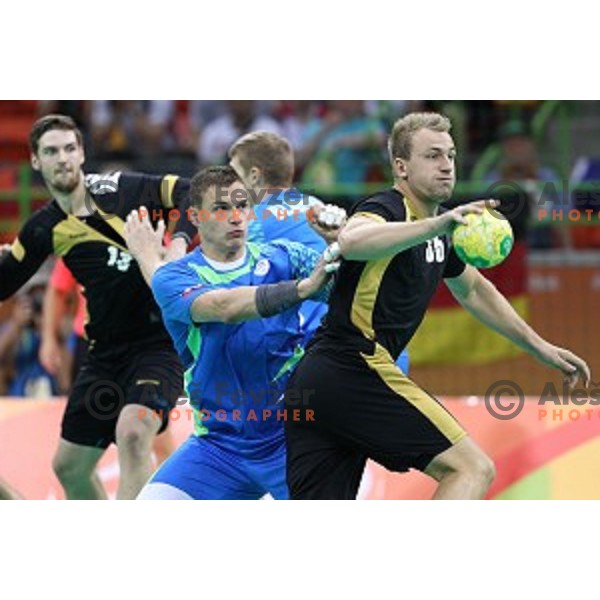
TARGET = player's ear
(255,175)
(194,216)
(35,163)
(399,168)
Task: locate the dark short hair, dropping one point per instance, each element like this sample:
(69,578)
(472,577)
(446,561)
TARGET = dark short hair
(49,123)
(208,177)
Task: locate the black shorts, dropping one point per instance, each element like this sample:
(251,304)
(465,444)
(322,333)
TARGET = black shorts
(353,407)
(148,373)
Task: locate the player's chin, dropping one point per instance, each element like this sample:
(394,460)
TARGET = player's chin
(235,244)
(443,192)
(66,185)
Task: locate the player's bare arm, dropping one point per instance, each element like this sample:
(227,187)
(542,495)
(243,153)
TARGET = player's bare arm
(372,238)
(480,297)
(248,302)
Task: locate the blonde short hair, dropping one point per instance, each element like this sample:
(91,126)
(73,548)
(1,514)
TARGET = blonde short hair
(400,140)
(269,152)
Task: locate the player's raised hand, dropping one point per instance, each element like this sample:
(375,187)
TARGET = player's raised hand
(140,235)
(327,220)
(457,215)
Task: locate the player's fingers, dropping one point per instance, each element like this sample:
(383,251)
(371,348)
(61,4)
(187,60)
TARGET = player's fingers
(332,216)
(581,367)
(332,252)
(332,267)
(477,208)
(145,218)
(160,230)
(133,217)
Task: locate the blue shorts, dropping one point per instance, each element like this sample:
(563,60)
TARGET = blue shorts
(205,471)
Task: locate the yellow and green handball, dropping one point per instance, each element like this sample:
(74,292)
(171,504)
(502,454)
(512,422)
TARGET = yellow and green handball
(485,241)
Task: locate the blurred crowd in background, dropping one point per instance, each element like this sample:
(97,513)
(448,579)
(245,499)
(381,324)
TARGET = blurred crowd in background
(542,158)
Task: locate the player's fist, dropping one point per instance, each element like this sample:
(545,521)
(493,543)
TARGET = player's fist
(327,220)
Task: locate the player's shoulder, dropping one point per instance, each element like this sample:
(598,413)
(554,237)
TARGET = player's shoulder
(41,223)
(388,204)
(280,247)
(100,184)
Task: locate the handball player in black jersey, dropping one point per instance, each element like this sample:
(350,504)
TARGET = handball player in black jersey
(396,249)
(132,376)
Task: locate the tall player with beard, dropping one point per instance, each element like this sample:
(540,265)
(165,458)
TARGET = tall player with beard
(131,361)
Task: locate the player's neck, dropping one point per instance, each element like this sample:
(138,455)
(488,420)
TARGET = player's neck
(422,208)
(223,256)
(73,203)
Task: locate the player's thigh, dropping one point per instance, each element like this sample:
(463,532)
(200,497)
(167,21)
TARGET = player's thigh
(205,472)
(154,380)
(269,472)
(377,410)
(75,460)
(320,464)
(93,407)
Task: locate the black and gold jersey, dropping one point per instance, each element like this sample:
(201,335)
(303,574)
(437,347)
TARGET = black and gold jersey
(385,300)
(120,305)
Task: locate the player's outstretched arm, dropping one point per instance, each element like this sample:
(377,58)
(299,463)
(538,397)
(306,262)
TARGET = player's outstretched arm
(245,303)
(365,238)
(20,261)
(483,300)
(144,242)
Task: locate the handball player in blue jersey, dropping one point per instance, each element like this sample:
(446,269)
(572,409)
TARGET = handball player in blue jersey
(264,161)
(232,309)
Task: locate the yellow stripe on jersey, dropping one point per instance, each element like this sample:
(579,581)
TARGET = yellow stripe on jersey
(368,215)
(17,250)
(365,295)
(72,232)
(166,190)
(381,362)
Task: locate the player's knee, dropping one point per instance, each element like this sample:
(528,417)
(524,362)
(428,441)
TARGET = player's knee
(473,464)
(69,470)
(482,468)
(134,439)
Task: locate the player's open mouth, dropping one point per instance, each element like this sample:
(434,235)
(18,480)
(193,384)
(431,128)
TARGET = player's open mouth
(238,233)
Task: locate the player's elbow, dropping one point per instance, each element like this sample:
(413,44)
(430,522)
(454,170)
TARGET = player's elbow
(347,243)
(224,309)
